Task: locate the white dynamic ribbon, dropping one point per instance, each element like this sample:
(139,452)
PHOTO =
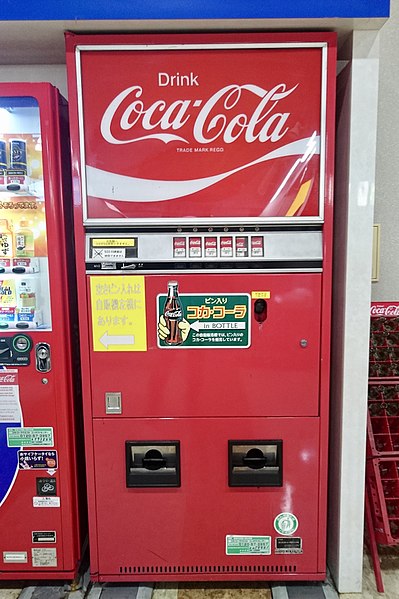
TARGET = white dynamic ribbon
(111,186)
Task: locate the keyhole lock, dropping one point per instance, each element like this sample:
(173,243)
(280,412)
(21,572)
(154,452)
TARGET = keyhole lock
(43,361)
(303,343)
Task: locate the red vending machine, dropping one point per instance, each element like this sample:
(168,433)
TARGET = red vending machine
(203,194)
(39,519)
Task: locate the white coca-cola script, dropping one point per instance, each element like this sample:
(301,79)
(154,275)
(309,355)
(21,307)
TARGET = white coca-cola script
(220,118)
(8,378)
(383,310)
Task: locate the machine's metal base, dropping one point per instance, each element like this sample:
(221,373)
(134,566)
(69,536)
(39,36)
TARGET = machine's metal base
(319,590)
(119,591)
(84,589)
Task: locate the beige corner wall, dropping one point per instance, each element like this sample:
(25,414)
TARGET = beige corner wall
(386,210)
(54,73)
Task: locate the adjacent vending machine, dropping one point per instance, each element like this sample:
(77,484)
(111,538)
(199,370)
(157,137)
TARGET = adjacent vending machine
(203,211)
(39,516)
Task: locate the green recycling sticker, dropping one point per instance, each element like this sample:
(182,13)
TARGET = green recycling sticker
(248,545)
(285,523)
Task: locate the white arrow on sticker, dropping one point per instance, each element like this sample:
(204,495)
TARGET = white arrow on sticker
(216,325)
(107,340)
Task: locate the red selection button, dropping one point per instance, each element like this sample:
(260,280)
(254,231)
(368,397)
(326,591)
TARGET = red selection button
(226,247)
(195,247)
(179,247)
(241,247)
(210,247)
(257,247)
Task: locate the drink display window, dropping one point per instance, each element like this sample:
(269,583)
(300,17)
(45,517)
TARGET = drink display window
(24,279)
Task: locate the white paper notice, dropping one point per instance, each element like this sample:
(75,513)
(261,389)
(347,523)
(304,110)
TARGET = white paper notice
(44,558)
(46,502)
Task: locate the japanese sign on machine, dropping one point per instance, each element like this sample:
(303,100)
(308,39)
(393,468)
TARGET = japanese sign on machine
(118,313)
(203,321)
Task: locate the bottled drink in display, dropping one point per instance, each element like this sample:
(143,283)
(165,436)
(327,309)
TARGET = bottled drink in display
(173,314)
(24,240)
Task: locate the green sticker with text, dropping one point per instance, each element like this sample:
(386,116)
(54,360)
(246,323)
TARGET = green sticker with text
(248,545)
(30,437)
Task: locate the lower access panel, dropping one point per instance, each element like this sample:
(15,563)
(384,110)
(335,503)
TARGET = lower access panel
(207,498)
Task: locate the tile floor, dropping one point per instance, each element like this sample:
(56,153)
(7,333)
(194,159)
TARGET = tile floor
(231,590)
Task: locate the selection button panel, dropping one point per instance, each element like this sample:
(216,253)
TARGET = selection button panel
(156,251)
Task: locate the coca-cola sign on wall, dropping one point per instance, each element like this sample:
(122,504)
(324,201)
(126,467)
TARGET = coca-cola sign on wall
(200,132)
(386,309)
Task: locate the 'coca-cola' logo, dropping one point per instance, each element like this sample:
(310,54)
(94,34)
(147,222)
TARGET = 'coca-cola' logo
(173,314)
(8,378)
(225,116)
(384,310)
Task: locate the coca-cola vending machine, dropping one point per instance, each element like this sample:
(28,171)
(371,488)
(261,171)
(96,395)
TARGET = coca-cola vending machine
(203,193)
(39,486)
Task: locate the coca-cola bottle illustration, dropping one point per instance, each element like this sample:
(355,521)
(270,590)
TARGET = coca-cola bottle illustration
(173,314)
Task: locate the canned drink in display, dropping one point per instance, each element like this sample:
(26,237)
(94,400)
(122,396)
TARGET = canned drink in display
(18,154)
(3,155)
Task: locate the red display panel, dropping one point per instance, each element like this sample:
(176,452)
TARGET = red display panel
(186,131)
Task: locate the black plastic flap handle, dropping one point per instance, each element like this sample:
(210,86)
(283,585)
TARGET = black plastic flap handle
(154,460)
(254,459)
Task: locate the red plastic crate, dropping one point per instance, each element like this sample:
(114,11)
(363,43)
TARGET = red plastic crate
(384,347)
(382,468)
(383,488)
(383,418)
(384,324)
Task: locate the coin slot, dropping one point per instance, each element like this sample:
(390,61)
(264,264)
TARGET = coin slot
(43,358)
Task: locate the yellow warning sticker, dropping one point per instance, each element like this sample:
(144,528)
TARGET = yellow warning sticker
(113,243)
(260,294)
(118,313)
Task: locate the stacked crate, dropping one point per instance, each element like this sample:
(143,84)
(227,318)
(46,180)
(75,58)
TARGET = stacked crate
(382,468)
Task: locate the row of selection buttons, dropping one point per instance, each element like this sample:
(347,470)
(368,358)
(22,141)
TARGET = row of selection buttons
(240,246)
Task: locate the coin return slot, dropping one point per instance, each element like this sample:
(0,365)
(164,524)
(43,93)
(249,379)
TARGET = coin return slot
(255,463)
(260,310)
(152,464)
